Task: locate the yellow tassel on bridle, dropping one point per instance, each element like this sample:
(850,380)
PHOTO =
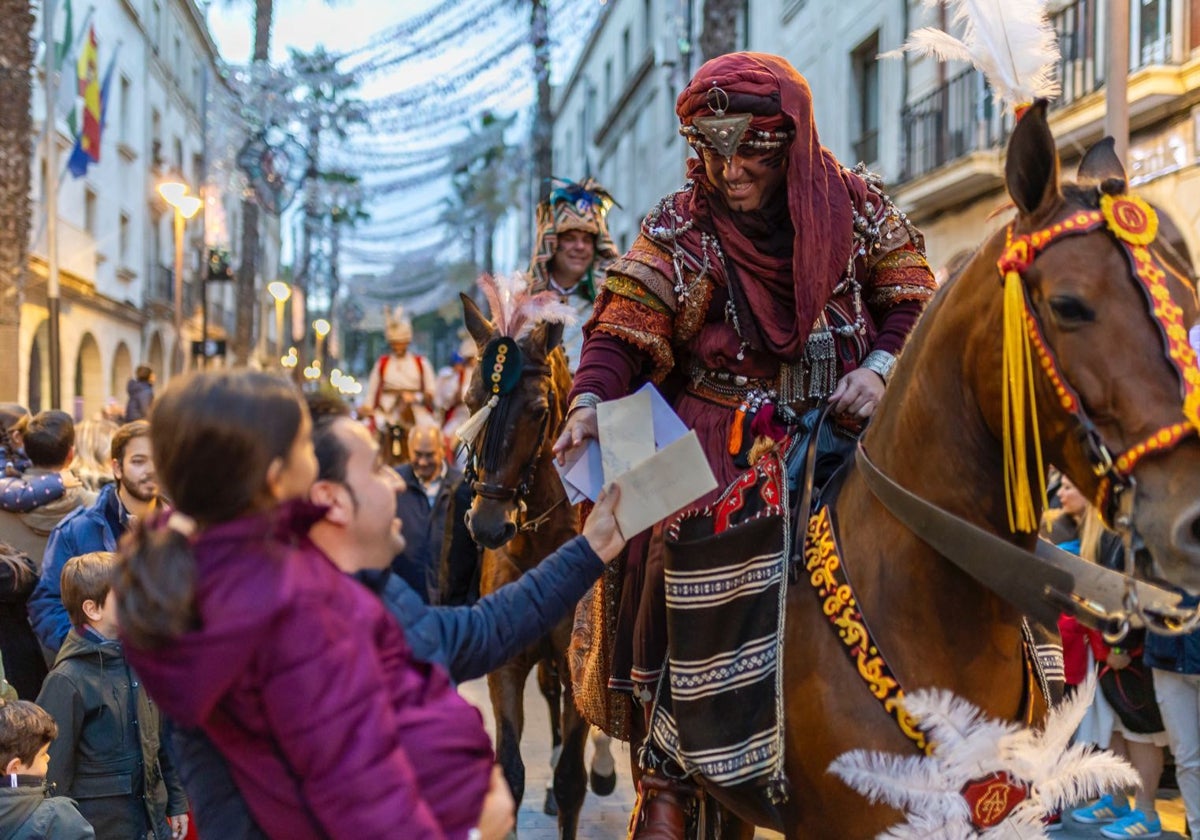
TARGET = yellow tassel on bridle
(1019,410)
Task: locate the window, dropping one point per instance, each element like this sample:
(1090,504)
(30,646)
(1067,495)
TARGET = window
(153,24)
(125,105)
(155,137)
(608,83)
(1151,25)
(123,241)
(89,211)
(647,25)
(177,154)
(626,55)
(865,67)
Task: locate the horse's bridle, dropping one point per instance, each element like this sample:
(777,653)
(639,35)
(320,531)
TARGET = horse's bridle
(1134,226)
(505,493)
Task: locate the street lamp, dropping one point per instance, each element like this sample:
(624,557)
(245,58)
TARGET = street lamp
(281,292)
(175,193)
(321,327)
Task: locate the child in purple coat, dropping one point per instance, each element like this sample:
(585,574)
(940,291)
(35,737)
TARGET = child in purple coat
(238,624)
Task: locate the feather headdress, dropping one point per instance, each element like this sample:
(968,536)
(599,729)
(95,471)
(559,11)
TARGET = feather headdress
(515,311)
(1010,41)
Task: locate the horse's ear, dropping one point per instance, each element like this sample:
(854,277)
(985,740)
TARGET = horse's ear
(544,338)
(478,326)
(1031,166)
(1102,166)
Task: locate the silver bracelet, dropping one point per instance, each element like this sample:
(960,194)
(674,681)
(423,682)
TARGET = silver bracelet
(584,400)
(880,361)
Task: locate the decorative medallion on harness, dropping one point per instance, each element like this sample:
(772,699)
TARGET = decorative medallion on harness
(1134,225)
(501,365)
(993,798)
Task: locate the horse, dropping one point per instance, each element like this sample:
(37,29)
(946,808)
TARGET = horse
(519,515)
(939,432)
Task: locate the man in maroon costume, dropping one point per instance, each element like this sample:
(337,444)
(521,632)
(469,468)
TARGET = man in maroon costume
(774,279)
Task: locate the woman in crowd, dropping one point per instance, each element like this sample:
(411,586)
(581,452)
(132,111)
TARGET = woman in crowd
(239,625)
(1078,528)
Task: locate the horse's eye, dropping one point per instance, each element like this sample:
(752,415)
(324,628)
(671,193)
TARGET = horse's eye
(1069,311)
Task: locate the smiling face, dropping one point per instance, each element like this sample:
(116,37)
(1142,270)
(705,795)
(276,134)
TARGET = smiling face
(748,179)
(574,256)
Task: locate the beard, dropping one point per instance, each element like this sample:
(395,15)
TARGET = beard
(144,491)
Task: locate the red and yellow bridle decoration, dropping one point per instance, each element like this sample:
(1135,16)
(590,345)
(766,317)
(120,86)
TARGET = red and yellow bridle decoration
(1134,224)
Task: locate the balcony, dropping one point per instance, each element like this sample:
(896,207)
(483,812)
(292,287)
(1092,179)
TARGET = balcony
(161,288)
(952,136)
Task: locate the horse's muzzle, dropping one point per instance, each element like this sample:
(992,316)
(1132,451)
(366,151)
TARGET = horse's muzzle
(490,531)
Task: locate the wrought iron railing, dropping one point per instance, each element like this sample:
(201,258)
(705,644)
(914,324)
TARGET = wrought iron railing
(960,116)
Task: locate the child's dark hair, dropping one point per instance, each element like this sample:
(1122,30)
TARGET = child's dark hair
(143,373)
(214,436)
(24,729)
(48,438)
(87,577)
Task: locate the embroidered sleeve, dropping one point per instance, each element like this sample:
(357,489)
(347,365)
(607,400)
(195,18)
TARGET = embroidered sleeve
(899,275)
(629,316)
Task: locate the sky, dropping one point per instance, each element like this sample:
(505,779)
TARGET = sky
(349,24)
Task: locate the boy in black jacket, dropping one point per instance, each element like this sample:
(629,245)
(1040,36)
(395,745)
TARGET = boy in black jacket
(108,755)
(27,811)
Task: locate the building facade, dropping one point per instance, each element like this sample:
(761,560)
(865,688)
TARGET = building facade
(932,130)
(169,116)
(614,118)
(937,136)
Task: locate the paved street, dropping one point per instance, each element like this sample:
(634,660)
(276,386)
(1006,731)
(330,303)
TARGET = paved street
(605,818)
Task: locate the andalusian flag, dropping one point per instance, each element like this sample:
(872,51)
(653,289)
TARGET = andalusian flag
(87,144)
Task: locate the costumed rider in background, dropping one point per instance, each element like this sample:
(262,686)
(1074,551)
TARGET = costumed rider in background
(774,278)
(451,388)
(399,392)
(572,250)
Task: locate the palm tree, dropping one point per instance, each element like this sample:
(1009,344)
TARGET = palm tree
(16,151)
(246,295)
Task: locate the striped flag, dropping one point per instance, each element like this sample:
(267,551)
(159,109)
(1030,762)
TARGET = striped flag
(87,143)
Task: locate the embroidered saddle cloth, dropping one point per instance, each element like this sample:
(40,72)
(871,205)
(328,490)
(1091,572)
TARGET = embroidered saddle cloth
(726,580)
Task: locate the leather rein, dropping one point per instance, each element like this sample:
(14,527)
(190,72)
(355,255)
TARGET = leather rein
(517,493)
(1053,580)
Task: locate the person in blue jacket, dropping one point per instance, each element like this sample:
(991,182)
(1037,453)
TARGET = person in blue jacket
(97,527)
(1175,664)
(360,533)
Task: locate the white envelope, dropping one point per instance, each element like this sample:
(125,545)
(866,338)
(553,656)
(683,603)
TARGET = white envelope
(648,452)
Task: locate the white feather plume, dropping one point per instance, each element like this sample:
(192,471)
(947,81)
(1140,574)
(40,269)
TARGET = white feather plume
(968,746)
(1010,41)
(515,312)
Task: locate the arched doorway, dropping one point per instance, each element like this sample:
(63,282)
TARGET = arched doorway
(155,358)
(89,379)
(38,395)
(122,372)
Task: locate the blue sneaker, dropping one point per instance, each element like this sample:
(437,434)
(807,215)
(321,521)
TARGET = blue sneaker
(1136,824)
(1105,810)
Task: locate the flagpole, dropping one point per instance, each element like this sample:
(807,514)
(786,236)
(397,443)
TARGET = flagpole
(50,155)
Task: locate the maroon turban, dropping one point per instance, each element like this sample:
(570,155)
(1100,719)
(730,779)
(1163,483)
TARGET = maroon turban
(818,196)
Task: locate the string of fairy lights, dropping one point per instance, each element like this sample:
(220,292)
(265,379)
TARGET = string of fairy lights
(418,124)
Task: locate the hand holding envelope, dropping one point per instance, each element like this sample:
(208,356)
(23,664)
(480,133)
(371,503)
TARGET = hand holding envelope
(646,450)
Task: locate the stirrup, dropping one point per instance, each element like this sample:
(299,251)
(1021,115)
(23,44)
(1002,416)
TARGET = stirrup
(663,808)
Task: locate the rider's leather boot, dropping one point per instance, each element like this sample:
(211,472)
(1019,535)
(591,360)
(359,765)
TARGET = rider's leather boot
(662,808)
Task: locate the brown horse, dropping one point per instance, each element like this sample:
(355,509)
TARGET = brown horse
(938,432)
(520,514)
